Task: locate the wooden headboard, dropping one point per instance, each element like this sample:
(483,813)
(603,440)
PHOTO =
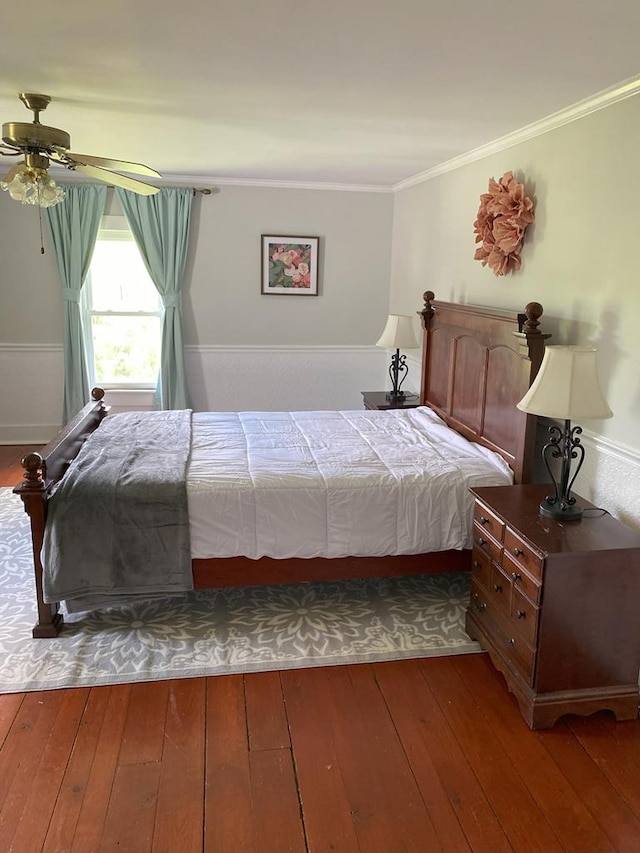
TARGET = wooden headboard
(477,363)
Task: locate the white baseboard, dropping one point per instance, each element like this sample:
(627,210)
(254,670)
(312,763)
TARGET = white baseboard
(37,434)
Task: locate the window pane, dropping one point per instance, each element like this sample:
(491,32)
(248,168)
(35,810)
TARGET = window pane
(126,349)
(119,278)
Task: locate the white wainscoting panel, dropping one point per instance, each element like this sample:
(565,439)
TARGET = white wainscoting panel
(610,477)
(219,379)
(31,392)
(294,378)
(129,400)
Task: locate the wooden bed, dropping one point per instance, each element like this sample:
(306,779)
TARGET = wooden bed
(477,363)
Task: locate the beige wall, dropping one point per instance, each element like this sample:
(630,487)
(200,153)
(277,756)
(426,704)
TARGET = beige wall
(580,259)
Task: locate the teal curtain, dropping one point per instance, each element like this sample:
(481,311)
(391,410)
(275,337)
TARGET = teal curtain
(160,226)
(73,226)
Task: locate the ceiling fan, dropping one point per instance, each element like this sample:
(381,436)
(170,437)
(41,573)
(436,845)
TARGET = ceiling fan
(40,145)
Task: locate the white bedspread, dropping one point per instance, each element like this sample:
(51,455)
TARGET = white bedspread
(332,484)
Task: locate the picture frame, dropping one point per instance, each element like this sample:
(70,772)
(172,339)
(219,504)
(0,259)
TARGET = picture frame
(289,265)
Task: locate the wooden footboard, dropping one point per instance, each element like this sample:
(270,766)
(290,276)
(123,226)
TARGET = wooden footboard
(41,472)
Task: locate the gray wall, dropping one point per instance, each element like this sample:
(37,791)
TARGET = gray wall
(224,304)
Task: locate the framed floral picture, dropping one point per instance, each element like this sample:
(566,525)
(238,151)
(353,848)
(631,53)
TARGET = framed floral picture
(289,265)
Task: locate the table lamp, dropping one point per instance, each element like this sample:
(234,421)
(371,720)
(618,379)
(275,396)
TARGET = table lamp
(398,334)
(566,388)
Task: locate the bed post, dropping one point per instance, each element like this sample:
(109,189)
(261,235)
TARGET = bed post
(425,316)
(33,492)
(531,344)
(41,472)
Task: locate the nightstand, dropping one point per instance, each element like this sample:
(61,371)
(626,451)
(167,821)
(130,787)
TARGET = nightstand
(379,400)
(555,604)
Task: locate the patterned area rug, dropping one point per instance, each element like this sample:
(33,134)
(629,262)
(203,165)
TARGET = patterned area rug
(215,632)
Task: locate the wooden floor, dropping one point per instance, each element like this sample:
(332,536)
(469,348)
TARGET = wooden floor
(409,756)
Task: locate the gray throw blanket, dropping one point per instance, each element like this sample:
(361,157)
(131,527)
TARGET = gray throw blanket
(117,524)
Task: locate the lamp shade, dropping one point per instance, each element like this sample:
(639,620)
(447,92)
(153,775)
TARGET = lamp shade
(567,386)
(398,333)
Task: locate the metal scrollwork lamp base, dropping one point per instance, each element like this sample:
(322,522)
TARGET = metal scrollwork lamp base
(397,334)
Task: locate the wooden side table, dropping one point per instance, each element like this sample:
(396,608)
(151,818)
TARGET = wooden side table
(555,603)
(379,400)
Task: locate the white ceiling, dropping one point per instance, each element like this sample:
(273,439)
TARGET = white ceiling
(352,92)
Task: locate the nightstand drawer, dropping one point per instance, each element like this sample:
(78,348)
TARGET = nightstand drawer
(522,553)
(521,580)
(524,616)
(483,542)
(509,643)
(486,520)
(500,591)
(481,567)
(477,598)
(520,654)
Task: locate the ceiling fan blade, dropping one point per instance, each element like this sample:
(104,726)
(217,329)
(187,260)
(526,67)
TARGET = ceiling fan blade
(113,178)
(13,171)
(120,165)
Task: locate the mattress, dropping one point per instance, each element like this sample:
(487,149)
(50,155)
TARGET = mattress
(332,484)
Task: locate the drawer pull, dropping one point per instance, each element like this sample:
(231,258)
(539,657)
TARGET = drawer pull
(497,587)
(520,614)
(518,552)
(515,576)
(482,542)
(511,642)
(483,520)
(476,564)
(481,607)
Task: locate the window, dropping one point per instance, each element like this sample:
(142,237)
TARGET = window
(122,312)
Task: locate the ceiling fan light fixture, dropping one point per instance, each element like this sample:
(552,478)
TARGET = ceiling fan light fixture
(33,186)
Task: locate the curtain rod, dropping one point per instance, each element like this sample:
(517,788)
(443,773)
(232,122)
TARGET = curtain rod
(194,190)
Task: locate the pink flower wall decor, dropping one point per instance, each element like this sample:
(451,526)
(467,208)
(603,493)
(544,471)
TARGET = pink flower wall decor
(503,215)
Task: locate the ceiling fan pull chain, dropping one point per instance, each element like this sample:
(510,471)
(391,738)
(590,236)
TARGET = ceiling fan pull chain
(41,238)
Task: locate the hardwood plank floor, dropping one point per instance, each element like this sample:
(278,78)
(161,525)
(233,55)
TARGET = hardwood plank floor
(404,756)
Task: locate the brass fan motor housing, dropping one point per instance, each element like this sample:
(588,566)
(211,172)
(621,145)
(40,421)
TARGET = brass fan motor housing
(38,137)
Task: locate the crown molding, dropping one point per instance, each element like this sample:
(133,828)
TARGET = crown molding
(196,180)
(599,101)
(212,183)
